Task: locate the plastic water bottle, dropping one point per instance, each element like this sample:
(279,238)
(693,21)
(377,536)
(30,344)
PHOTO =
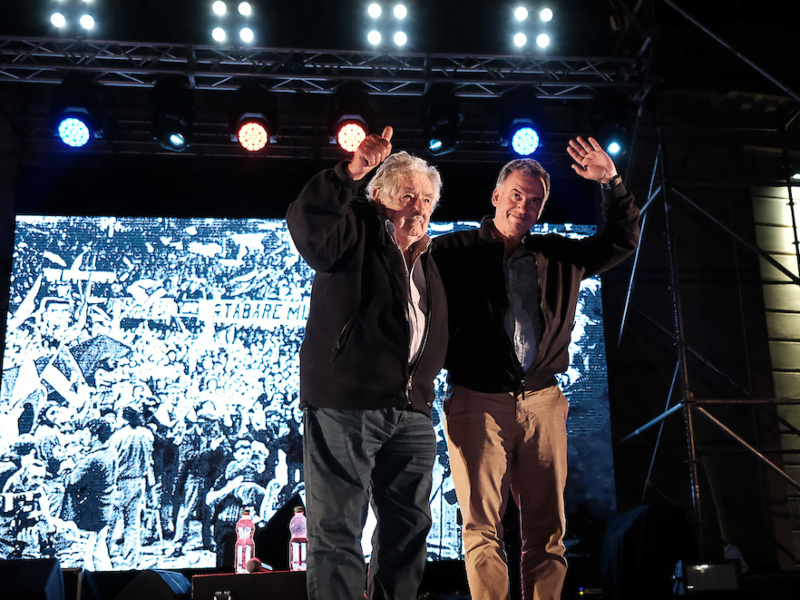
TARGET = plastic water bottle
(245,546)
(298,544)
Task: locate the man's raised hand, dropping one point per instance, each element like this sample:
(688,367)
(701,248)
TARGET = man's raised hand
(370,153)
(591,161)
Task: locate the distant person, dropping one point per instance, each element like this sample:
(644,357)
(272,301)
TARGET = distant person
(90,491)
(133,447)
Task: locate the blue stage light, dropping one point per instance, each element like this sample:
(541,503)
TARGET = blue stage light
(74,130)
(525,140)
(614,148)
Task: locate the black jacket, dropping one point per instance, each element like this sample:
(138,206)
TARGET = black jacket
(481,356)
(355,351)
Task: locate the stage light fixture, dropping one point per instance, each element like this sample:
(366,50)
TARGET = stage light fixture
(609,118)
(379,27)
(227,20)
(87,21)
(253,117)
(350,118)
(517,118)
(525,29)
(524,137)
(441,120)
(58,20)
(78,111)
(351,132)
(172,102)
(74,129)
(253,135)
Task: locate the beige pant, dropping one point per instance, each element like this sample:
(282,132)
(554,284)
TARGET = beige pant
(500,443)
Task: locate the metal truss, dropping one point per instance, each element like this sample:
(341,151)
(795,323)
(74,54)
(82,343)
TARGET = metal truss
(115,63)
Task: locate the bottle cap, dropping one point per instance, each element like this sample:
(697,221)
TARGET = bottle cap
(298,509)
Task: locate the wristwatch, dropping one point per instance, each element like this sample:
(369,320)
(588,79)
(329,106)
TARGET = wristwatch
(612,183)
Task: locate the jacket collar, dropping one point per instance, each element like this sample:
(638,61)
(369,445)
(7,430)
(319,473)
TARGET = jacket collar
(486,232)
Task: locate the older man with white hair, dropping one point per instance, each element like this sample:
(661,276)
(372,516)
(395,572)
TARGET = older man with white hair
(375,340)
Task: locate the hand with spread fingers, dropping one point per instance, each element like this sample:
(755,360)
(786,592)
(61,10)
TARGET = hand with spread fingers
(370,153)
(591,161)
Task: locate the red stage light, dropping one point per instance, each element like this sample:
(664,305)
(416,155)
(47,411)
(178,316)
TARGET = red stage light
(350,135)
(253,136)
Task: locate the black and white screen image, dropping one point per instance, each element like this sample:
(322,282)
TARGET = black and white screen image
(150,392)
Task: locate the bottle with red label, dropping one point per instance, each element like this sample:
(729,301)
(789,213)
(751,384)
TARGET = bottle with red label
(245,546)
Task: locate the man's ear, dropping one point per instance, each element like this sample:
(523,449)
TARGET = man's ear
(376,198)
(495,196)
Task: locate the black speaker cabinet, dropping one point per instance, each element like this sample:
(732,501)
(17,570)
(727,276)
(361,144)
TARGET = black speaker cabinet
(287,585)
(31,579)
(157,585)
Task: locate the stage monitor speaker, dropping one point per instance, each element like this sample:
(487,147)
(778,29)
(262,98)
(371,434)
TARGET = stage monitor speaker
(157,585)
(31,579)
(288,585)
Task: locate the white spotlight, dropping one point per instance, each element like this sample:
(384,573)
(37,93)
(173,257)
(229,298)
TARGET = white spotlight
(245,9)
(400,38)
(520,40)
(374,10)
(87,21)
(374,37)
(247,35)
(58,20)
(521,13)
(219,7)
(400,11)
(543,40)
(218,34)
(546,15)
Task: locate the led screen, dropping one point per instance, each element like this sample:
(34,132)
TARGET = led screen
(150,391)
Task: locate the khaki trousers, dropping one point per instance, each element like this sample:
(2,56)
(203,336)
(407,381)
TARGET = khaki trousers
(501,443)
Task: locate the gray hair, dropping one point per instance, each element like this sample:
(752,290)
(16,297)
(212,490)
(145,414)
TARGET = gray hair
(526,166)
(387,178)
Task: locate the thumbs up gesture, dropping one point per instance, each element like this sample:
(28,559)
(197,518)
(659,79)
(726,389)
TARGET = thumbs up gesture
(370,153)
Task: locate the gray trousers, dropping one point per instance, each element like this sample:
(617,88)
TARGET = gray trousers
(354,458)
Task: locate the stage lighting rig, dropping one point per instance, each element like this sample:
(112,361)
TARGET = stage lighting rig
(350,118)
(253,117)
(441,120)
(172,104)
(78,111)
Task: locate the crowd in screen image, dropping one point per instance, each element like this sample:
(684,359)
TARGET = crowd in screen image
(148,389)
(150,392)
